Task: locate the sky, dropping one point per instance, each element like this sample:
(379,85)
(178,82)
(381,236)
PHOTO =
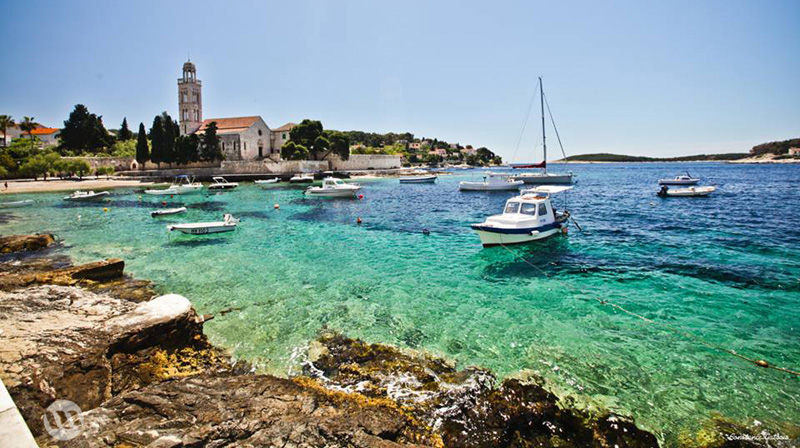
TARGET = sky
(627,77)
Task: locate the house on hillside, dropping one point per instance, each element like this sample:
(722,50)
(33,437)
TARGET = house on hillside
(439,152)
(48,136)
(794,151)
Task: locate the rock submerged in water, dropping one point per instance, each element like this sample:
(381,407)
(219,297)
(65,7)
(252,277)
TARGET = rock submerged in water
(25,243)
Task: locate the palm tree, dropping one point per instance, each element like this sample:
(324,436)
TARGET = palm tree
(6,121)
(28,125)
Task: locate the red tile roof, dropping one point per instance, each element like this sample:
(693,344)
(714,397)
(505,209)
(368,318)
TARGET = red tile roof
(286,127)
(229,123)
(44,131)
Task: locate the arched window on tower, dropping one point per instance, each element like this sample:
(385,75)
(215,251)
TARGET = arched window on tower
(185,114)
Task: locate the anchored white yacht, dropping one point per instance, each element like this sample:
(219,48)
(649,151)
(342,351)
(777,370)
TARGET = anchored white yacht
(491,182)
(333,188)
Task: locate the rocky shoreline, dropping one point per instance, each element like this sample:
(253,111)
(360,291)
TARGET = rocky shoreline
(144,374)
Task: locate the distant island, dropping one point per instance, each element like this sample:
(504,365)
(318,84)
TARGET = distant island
(606,157)
(778,151)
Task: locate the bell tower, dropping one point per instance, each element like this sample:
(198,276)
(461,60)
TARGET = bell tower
(190,100)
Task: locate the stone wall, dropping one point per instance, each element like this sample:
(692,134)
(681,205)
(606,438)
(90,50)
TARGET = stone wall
(118,163)
(271,167)
(365,162)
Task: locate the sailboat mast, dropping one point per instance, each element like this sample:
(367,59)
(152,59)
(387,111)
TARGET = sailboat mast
(544,140)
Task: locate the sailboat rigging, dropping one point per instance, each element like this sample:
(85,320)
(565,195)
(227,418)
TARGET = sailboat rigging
(543,178)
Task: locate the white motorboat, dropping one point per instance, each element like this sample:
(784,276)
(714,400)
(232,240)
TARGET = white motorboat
(690,191)
(425,179)
(167,211)
(543,177)
(163,192)
(86,196)
(16,204)
(182,184)
(333,188)
(221,184)
(491,182)
(228,224)
(266,181)
(680,180)
(528,217)
(302,179)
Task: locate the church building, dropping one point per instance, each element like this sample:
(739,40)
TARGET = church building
(242,138)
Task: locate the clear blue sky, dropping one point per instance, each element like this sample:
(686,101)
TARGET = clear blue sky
(648,78)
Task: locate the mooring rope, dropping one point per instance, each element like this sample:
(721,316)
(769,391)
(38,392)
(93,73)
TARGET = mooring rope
(676,330)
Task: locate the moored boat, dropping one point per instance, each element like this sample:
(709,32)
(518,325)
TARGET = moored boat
(16,204)
(543,177)
(302,179)
(182,184)
(274,180)
(491,182)
(221,184)
(333,188)
(525,218)
(425,179)
(86,196)
(167,211)
(685,192)
(228,224)
(680,180)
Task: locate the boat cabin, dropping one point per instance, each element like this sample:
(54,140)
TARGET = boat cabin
(332,182)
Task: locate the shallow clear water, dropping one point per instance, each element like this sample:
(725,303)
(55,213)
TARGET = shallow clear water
(726,268)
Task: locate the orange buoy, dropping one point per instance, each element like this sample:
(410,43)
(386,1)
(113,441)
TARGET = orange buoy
(358,220)
(361,196)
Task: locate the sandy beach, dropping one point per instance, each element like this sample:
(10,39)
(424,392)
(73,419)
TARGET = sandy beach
(39,186)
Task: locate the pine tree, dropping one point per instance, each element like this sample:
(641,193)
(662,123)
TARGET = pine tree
(142,151)
(124,132)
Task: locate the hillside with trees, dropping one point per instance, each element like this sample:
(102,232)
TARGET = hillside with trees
(606,157)
(777,148)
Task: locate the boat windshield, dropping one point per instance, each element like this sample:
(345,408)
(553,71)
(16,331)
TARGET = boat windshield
(528,209)
(512,207)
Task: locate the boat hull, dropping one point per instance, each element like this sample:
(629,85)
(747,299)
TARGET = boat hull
(484,186)
(16,204)
(222,187)
(688,192)
(167,212)
(93,198)
(493,238)
(418,180)
(544,179)
(678,182)
(204,230)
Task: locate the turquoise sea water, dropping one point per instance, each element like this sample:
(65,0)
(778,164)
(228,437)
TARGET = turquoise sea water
(726,268)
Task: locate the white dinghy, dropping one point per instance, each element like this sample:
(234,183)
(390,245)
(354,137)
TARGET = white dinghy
(302,179)
(228,224)
(221,184)
(428,179)
(333,188)
(86,196)
(492,182)
(266,181)
(680,180)
(167,211)
(16,204)
(685,192)
(528,217)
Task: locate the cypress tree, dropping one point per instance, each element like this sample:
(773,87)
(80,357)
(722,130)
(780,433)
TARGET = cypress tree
(142,151)
(170,134)
(157,140)
(211,149)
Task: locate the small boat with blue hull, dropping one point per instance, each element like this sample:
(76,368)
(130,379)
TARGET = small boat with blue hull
(528,217)
(423,179)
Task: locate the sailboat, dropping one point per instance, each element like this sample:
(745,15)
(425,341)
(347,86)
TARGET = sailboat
(543,177)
